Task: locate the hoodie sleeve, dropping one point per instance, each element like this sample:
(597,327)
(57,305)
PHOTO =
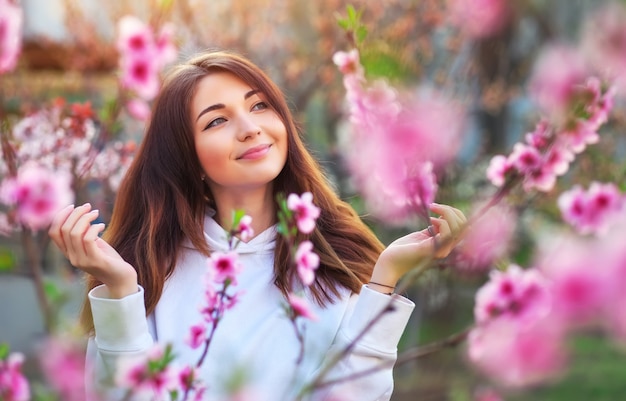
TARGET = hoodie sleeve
(373,343)
(121,331)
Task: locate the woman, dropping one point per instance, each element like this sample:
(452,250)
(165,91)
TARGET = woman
(222,138)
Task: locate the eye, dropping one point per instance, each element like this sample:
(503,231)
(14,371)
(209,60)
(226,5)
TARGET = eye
(260,106)
(215,122)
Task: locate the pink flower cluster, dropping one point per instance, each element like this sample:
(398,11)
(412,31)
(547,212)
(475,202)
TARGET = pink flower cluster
(479,18)
(486,239)
(393,149)
(142,56)
(223,268)
(511,342)
(594,210)
(549,150)
(11,20)
(305,214)
(60,140)
(36,194)
(63,364)
(13,384)
(153,376)
(524,316)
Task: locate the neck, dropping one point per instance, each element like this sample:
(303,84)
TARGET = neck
(257,203)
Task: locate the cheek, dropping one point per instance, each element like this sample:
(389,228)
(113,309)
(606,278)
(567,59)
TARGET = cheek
(212,155)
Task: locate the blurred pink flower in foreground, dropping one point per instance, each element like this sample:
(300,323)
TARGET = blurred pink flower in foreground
(300,307)
(37,194)
(196,335)
(485,240)
(224,266)
(138,109)
(305,212)
(479,18)
(515,355)
(306,262)
(604,43)
(514,342)
(245,229)
(11,20)
(556,80)
(149,375)
(578,278)
(63,364)
(13,384)
(591,211)
(142,55)
(393,149)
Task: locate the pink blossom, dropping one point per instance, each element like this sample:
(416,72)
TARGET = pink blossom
(300,307)
(615,306)
(11,20)
(604,42)
(142,55)
(526,159)
(37,193)
(577,280)
(138,109)
(134,37)
(63,364)
(517,294)
(140,75)
(13,383)
(196,336)
(187,378)
(479,18)
(591,211)
(304,210)
(148,375)
(558,74)
(499,167)
(348,62)
(245,228)
(517,355)
(224,266)
(306,262)
(485,240)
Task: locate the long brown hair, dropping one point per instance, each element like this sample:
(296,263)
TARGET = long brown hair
(161,200)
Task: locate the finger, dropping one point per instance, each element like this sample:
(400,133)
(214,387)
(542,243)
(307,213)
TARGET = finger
(456,219)
(55,227)
(77,235)
(68,226)
(89,240)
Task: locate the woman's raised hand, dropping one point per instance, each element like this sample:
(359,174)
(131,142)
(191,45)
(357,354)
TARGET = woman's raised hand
(406,252)
(72,232)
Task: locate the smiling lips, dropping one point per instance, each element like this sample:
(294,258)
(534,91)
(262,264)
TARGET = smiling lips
(255,153)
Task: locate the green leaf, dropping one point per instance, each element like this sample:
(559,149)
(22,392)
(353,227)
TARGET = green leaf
(7,259)
(352,15)
(4,351)
(361,33)
(343,24)
(52,291)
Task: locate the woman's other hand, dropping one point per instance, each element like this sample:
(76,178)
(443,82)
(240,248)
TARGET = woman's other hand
(72,232)
(407,252)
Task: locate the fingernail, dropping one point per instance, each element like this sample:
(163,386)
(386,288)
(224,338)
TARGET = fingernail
(86,204)
(95,211)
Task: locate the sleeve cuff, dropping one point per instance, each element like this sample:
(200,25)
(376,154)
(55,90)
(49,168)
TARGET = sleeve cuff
(385,334)
(120,324)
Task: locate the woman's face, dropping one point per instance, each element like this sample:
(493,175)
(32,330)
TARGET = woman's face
(240,141)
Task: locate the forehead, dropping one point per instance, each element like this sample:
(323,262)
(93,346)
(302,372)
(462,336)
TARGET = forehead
(219,87)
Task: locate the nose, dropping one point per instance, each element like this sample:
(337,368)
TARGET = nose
(248,128)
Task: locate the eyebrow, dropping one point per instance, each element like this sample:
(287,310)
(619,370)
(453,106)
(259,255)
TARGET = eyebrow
(221,105)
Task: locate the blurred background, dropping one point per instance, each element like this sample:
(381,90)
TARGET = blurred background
(69,52)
